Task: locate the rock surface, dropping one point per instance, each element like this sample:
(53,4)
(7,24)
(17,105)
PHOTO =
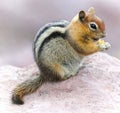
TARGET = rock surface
(96,89)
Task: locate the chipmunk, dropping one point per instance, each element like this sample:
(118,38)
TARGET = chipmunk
(59,49)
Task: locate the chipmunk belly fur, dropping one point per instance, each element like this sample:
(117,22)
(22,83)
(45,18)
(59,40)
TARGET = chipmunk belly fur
(59,49)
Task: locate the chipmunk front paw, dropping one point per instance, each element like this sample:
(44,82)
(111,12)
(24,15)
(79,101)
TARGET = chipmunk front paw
(103,45)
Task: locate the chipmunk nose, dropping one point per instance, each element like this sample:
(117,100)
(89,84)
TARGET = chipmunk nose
(103,35)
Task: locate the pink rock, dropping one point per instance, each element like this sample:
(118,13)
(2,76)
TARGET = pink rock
(96,89)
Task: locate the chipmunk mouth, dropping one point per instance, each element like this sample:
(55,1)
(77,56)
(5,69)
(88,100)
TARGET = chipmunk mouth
(95,39)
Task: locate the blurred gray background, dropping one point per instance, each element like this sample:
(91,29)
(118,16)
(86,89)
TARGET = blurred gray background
(21,19)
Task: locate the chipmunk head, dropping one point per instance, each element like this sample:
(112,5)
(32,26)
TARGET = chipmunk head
(92,25)
(86,29)
(88,25)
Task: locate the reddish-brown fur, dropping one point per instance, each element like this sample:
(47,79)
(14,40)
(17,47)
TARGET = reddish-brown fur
(81,36)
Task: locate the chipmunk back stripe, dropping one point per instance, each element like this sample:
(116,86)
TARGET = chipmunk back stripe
(62,23)
(49,31)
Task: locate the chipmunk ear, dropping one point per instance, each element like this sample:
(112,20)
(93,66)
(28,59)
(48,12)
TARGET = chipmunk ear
(82,16)
(91,11)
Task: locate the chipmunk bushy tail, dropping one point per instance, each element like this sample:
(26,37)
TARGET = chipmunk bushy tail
(27,87)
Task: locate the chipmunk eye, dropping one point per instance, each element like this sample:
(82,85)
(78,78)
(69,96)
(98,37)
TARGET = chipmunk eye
(93,26)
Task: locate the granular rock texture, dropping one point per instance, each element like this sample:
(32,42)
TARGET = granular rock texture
(96,89)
